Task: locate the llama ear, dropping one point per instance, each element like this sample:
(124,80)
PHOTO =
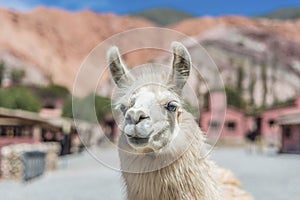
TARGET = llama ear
(117,68)
(181,66)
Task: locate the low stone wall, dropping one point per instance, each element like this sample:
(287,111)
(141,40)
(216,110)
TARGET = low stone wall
(12,158)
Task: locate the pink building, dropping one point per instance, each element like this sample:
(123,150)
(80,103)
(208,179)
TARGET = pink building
(236,123)
(271,130)
(290,137)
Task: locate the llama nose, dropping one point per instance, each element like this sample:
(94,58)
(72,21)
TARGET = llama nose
(134,116)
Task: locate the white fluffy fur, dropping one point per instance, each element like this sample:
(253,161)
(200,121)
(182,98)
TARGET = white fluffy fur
(176,171)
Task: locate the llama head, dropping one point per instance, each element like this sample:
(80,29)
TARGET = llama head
(150,102)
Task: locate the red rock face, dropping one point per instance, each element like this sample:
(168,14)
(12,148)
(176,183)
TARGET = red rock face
(57,41)
(288,29)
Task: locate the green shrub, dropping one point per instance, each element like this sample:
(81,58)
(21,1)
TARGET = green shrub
(52,91)
(86,112)
(17,76)
(19,98)
(234,98)
(2,68)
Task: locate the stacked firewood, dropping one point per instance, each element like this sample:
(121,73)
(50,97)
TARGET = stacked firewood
(12,158)
(53,150)
(11,165)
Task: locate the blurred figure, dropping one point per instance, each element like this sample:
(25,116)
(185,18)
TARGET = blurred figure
(251,138)
(76,146)
(110,130)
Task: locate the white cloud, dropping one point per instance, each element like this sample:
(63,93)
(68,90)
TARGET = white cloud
(18,5)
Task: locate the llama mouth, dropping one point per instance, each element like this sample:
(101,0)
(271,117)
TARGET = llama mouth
(138,140)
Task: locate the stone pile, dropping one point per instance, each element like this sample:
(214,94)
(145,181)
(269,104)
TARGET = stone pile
(12,158)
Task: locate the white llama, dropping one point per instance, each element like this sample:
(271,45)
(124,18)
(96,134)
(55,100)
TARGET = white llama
(160,143)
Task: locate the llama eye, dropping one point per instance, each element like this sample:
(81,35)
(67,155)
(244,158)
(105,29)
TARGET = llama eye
(171,106)
(123,108)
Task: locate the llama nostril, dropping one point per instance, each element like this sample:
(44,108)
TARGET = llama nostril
(135,116)
(129,135)
(142,117)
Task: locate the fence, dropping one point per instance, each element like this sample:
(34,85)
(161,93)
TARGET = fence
(34,164)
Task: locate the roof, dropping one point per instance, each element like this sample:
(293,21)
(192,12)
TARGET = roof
(21,114)
(27,117)
(35,118)
(289,119)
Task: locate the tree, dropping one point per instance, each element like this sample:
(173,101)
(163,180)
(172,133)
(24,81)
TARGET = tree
(2,69)
(240,79)
(52,91)
(234,98)
(264,83)
(67,109)
(102,106)
(252,88)
(19,98)
(17,76)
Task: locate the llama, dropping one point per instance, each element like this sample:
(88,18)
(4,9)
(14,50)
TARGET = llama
(160,144)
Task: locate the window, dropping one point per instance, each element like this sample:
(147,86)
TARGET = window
(287,132)
(2,132)
(231,126)
(272,122)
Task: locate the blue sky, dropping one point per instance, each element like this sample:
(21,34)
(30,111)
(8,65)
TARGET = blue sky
(195,7)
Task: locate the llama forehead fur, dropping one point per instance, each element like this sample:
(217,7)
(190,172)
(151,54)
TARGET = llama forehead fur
(151,77)
(174,169)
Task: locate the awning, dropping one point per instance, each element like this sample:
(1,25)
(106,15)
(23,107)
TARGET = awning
(290,119)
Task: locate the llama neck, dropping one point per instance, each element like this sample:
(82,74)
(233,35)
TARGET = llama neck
(185,176)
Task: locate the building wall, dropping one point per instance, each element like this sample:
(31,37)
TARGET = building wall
(269,125)
(236,124)
(291,139)
(270,129)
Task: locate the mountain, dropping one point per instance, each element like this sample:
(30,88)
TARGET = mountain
(267,52)
(286,29)
(285,13)
(164,16)
(51,44)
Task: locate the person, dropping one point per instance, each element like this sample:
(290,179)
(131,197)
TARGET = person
(110,130)
(251,138)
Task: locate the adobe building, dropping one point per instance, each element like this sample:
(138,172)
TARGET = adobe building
(18,126)
(278,127)
(290,134)
(271,129)
(236,123)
